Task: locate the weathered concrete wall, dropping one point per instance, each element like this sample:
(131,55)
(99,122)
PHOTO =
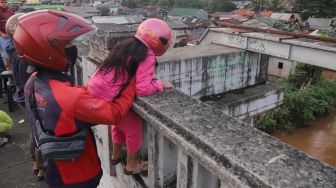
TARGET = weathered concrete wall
(211,69)
(280,68)
(248,102)
(191,144)
(227,153)
(318,53)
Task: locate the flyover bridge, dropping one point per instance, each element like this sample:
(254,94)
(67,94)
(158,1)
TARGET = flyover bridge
(308,51)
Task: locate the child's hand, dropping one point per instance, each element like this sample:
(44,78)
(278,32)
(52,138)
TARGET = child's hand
(166,84)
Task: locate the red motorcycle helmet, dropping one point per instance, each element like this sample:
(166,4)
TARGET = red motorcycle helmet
(155,34)
(42,36)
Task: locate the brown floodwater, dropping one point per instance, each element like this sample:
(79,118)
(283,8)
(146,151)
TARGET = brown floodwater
(318,141)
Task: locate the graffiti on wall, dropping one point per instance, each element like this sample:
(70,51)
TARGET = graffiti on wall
(237,40)
(256,44)
(218,66)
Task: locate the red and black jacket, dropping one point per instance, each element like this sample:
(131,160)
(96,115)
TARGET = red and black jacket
(65,110)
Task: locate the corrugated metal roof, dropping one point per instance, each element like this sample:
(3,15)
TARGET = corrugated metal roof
(86,15)
(244,12)
(282,16)
(115,28)
(234,16)
(319,23)
(80,9)
(128,19)
(183,12)
(266,13)
(256,23)
(176,24)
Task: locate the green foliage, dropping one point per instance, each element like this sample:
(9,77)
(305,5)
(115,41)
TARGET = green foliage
(327,33)
(275,5)
(104,10)
(270,5)
(305,74)
(228,7)
(316,8)
(130,3)
(307,96)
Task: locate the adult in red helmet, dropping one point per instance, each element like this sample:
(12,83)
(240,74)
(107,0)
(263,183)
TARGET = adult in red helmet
(59,113)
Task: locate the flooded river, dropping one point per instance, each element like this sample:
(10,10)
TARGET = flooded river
(318,141)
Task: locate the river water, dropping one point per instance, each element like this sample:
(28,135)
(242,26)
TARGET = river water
(318,141)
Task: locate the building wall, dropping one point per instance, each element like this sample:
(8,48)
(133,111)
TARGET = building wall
(202,76)
(280,68)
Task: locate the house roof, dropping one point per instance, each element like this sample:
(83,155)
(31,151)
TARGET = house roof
(80,9)
(218,14)
(233,16)
(319,23)
(266,13)
(86,14)
(183,12)
(255,23)
(194,22)
(115,28)
(176,24)
(244,12)
(282,16)
(127,19)
(241,4)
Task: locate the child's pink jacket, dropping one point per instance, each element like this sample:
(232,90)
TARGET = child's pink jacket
(101,85)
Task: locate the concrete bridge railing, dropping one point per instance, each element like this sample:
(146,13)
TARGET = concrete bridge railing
(189,143)
(192,144)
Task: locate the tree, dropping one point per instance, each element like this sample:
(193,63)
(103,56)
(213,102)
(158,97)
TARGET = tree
(275,5)
(228,7)
(129,3)
(316,8)
(104,10)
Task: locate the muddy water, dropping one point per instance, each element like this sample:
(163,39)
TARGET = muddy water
(318,141)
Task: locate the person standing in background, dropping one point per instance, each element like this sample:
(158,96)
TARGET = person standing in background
(5,13)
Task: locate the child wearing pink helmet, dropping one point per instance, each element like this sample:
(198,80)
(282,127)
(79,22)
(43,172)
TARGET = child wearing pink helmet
(132,57)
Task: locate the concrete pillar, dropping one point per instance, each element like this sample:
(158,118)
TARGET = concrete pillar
(162,156)
(184,170)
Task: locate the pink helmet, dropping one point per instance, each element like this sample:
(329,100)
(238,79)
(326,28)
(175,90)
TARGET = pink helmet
(155,34)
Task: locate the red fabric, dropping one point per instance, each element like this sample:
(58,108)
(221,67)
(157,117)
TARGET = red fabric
(5,13)
(61,90)
(76,103)
(82,169)
(93,110)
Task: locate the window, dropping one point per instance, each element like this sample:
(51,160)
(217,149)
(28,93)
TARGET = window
(280,65)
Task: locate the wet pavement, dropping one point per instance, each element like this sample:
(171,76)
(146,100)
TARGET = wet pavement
(15,161)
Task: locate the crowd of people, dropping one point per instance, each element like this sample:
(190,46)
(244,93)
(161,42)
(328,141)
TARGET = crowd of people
(39,53)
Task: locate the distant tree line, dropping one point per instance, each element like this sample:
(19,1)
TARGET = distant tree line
(316,8)
(208,5)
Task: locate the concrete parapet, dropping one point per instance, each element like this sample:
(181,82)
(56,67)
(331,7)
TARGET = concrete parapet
(228,152)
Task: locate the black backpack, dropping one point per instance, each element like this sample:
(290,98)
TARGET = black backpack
(53,147)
